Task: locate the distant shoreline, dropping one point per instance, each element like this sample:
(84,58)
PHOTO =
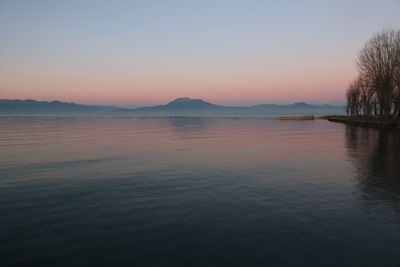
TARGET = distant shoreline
(183,106)
(280,117)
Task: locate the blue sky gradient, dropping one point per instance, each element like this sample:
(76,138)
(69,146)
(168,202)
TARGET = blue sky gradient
(147,52)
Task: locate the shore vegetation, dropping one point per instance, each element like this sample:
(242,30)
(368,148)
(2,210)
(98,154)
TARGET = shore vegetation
(375,93)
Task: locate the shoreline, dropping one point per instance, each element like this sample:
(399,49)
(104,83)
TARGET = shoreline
(371,123)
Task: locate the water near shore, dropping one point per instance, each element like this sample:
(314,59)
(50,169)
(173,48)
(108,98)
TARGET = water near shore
(78,191)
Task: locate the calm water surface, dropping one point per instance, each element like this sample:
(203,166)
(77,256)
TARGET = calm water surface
(78,191)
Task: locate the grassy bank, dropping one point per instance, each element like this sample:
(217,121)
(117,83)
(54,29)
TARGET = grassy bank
(304,118)
(298,118)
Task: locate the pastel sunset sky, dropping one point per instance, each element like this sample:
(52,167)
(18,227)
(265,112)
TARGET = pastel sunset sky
(150,52)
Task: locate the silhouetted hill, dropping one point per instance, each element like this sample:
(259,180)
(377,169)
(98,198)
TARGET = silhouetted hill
(188,106)
(8,106)
(180,106)
(188,103)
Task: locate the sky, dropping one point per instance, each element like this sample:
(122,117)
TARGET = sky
(230,52)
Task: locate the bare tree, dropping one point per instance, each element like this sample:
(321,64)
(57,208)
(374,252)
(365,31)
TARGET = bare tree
(396,103)
(378,63)
(353,99)
(396,96)
(367,93)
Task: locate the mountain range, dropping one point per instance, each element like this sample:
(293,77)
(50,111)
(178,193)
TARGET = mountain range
(180,106)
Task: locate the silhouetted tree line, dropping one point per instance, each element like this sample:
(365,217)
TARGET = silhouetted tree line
(376,91)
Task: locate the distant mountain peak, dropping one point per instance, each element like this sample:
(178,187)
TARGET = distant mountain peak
(180,100)
(302,104)
(189,103)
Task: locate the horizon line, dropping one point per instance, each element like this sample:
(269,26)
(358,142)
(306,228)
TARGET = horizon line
(152,105)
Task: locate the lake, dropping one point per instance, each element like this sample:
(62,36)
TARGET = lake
(91,191)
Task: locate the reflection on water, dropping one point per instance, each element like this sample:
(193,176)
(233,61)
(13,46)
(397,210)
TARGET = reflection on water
(86,191)
(376,157)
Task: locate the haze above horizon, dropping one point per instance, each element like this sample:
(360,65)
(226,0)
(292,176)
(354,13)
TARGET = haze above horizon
(145,53)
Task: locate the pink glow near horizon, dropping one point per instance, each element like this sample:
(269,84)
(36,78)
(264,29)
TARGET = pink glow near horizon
(234,90)
(149,95)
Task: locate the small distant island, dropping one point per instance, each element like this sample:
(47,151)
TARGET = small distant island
(373,98)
